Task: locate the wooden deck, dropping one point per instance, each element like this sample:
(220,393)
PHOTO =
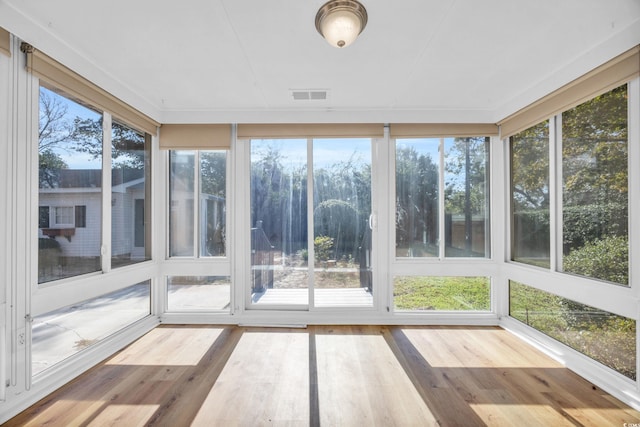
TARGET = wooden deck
(347,297)
(329,376)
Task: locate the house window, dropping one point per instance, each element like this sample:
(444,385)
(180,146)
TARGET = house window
(61,326)
(206,293)
(595,188)
(606,337)
(311,222)
(81,216)
(442,211)
(530,196)
(138,224)
(130,189)
(63,216)
(70,176)
(592,153)
(427,293)
(197,217)
(43,216)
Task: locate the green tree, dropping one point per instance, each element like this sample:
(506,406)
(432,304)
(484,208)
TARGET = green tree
(53,129)
(595,179)
(213,173)
(416,197)
(530,168)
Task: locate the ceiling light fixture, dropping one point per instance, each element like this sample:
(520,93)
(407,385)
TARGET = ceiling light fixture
(341,21)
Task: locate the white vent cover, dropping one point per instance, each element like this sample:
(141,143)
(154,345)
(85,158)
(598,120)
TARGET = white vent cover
(309,94)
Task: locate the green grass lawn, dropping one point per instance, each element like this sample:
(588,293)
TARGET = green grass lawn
(442,293)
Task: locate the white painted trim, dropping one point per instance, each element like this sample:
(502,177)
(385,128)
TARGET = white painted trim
(390,234)
(556,186)
(382,182)
(441,202)
(609,380)
(633,134)
(6,183)
(500,221)
(311,248)
(230,220)
(73,367)
(105,244)
(242,235)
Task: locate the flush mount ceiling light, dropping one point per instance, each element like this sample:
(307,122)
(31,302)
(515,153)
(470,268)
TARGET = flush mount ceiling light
(341,21)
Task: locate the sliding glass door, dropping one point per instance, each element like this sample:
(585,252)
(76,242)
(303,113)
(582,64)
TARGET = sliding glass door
(311,223)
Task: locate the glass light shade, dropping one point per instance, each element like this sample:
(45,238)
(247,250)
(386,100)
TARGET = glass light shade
(341,21)
(340,28)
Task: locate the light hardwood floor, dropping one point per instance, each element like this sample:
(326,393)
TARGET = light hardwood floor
(329,376)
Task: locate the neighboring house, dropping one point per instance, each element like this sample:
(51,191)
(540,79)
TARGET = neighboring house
(211,216)
(71,213)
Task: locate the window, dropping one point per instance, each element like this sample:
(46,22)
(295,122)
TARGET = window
(71,193)
(450,201)
(420,293)
(70,174)
(417,197)
(594,188)
(603,336)
(81,216)
(62,333)
(310,222)
(187,293)
(130,188)
(63,216)
(530,196)
(592,140)
(43,216)
(466,194)
(197,187)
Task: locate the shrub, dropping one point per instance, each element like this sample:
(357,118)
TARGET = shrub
(322,246)
(604,259)
(48,243)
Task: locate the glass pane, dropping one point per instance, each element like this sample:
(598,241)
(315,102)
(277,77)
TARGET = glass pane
(213,181)
(181,199)
(417,171)
(466,197)
(603,336)
(341,210)
(530,196)
(62,333)
(129,196)
(416,293)
(70,175)
(185,293)
(279,252)
(594,196)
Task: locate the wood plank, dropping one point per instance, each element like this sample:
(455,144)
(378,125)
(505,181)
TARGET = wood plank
(328,375)
(267,376)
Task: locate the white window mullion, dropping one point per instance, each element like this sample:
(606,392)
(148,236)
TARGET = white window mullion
(105,249)
(391,223)
(441,204)
(196,205)
(633,142)
(310,226)
(555,193)
(382,183)
(231,225)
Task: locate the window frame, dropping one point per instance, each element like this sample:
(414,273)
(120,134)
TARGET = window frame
(70,224)
(442,210)
(51,295)
(197,208)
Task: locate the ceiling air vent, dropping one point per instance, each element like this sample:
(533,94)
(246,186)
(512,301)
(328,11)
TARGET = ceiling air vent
(309,94)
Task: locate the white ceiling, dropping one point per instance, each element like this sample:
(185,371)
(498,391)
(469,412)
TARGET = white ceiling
(238,60)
